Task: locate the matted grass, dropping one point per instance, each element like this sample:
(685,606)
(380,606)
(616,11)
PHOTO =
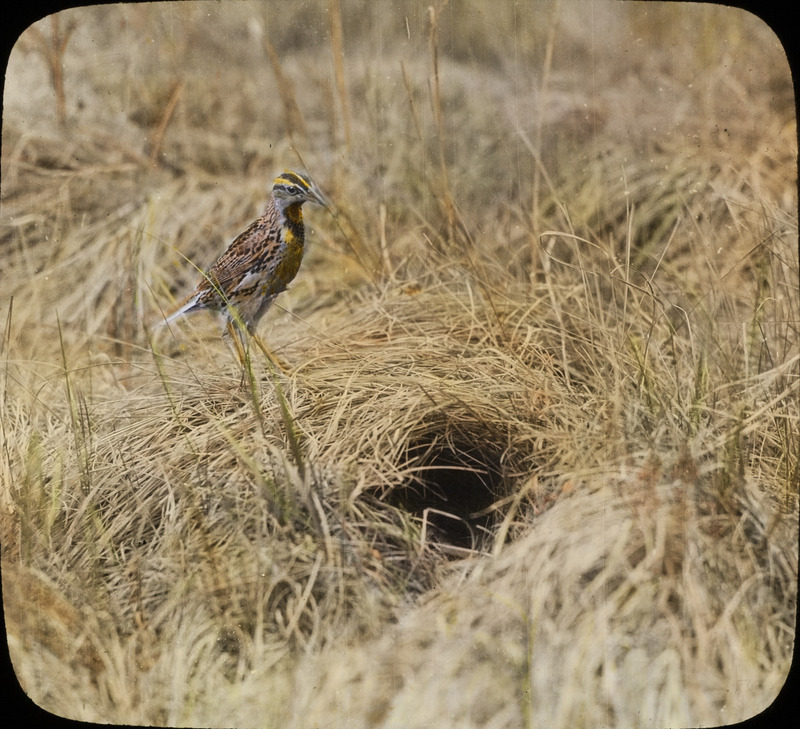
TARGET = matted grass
(534,461)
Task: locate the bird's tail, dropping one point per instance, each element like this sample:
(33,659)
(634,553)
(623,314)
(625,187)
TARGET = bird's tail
(187,306)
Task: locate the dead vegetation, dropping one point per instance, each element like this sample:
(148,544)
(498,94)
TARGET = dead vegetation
(537,459)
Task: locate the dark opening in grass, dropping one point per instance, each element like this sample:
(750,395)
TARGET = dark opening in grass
(453,487)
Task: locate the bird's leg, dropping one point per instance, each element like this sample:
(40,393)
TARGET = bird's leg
(236,340)
(255,317)
(240,339)
(276,361)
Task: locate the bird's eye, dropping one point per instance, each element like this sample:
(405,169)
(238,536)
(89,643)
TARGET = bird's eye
(293,190)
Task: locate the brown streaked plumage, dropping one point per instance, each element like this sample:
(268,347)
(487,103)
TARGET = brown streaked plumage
(260,262)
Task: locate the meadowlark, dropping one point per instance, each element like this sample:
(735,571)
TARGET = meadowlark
(258,265)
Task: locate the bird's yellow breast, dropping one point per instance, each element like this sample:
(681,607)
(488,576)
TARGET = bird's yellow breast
(287,265)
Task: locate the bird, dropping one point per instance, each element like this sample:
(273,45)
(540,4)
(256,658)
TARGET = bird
(258,265)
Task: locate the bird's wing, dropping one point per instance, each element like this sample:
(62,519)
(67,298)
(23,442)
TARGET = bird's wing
(249,248)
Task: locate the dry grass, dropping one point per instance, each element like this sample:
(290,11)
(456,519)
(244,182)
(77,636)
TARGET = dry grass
(536,460)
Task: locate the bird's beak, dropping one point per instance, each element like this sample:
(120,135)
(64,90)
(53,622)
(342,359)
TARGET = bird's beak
(315,196)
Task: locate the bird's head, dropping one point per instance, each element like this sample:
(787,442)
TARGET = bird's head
(295,188)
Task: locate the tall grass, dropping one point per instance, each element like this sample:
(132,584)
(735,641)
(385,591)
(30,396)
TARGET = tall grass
(538,428)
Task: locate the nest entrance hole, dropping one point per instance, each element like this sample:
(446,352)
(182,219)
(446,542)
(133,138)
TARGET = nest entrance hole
(451,489)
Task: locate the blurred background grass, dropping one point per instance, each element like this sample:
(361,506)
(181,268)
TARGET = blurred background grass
(542,431)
